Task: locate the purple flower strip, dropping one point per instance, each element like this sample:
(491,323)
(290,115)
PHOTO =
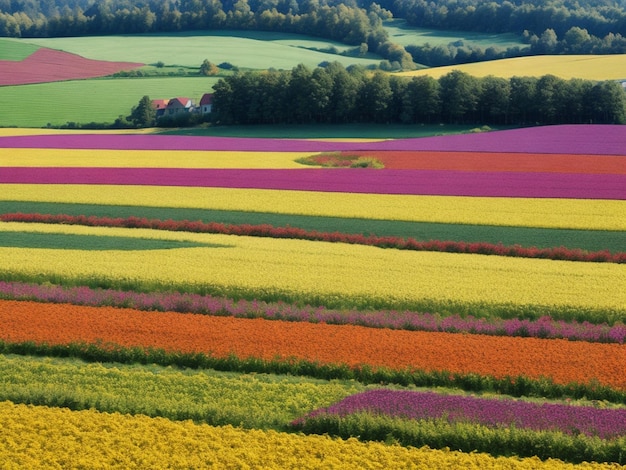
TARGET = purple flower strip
(418,182)
(544,327)
(569,419)
(574,139)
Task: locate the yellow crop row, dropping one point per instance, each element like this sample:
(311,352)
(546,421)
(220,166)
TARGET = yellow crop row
(148,158)
(330,270)
(37,437)
(525,212)
(588,67)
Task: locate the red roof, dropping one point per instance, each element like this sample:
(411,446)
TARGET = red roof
(207,98)
(160,104)
(184,102)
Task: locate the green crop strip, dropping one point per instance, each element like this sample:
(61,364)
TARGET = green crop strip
(470,437)
(590,240)
(86,242)
(218,398)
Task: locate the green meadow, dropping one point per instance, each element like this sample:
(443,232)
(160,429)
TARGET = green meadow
(401,33)
(84,101)
(244,49)
(13,49)
(328,131)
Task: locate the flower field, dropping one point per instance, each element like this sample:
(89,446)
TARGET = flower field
(217,303)
(49,65)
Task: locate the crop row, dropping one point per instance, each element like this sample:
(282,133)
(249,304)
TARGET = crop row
(569,139)
(368,181)
(59,158)
(300,271)
(517,212)
(266,230)
(604,423)
(586,240)
(34,436)
(542,327)
(563,362)
(470,437)
(488,161)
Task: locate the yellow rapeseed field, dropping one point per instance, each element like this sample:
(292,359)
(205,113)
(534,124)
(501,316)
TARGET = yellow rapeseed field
(588,67)
(524,212)
(38,437)
(321,269)
(35,157)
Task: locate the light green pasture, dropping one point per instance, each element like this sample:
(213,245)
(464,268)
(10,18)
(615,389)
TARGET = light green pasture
(14,49)
(401,33)
(245,49)
(84,101)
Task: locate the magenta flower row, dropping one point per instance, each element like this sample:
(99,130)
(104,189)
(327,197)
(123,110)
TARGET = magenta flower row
(416,182)
(544,327)
(574,139)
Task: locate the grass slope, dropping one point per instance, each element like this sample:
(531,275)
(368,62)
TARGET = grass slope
(591,240)
(588,67)
(245,49)
(326,131)
(13,49)
(83,101)
(402,33)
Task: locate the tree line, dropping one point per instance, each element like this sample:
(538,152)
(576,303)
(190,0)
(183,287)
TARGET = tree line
(335,94)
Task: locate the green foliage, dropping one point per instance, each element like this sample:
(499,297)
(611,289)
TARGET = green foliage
(304,96)
(469,437)
(144,114)
(217,398)
(336,159)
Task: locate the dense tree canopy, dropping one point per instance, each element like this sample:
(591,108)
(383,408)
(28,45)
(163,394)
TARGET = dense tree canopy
(333,94)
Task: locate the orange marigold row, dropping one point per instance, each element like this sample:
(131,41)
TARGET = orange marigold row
(560,360)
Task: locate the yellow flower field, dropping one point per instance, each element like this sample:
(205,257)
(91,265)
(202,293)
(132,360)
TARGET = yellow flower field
(588,67)
(38,437)
(330,270)
(35,157)
(524,212)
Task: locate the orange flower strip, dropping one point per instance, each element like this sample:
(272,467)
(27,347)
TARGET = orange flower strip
(561,360)
(497,161)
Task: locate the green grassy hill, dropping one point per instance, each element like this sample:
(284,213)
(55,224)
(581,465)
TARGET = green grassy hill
(245,49)
(84,101)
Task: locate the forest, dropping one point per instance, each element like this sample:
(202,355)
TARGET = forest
(334,94)
(552,27)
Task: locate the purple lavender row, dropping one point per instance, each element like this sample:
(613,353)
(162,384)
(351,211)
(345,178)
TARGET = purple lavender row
(569,419)
(417,182)
(544,327)
(574,139)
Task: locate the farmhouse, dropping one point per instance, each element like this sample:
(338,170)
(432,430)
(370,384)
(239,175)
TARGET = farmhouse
(179,105)
(206,103)
(174,106)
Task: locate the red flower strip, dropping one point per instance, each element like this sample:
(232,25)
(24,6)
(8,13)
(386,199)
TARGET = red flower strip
(267,230)
(496,161)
